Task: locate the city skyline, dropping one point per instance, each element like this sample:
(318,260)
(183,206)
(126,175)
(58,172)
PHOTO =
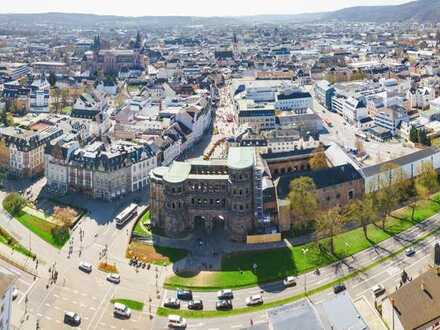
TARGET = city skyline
(188,8)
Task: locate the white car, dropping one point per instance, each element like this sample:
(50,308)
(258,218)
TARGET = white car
(225,294)
(85,267)
(289,281)
(121,310)
(254,300)
(176,322)
(114,278)
(378,290)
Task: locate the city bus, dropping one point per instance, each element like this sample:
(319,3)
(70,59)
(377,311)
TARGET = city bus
(126,215)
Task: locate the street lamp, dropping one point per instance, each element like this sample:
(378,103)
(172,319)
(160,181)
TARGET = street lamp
(304,251)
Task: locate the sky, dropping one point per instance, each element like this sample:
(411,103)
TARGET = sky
(184,7)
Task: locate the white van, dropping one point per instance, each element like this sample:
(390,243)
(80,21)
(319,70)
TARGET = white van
(121,310)
(176,322)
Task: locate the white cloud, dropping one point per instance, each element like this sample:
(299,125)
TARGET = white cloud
(184,7)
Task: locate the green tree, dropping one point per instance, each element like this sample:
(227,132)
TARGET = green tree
(52,79)
(364,212)
(413,135)
(426,183)
(303,201)
(14,203)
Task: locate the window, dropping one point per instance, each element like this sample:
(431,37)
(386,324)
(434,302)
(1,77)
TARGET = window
(351,194)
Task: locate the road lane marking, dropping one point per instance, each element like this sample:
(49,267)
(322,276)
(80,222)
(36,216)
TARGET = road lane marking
(27,291)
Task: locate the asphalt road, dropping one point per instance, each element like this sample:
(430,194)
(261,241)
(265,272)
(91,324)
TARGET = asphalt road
(387,273)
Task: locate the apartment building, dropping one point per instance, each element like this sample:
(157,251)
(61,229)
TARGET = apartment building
(26,149)
(102,171)
(294,100)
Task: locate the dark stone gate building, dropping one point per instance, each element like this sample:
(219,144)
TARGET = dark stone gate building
(205,194)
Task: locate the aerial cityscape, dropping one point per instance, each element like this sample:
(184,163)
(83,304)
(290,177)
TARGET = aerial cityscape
(266,168)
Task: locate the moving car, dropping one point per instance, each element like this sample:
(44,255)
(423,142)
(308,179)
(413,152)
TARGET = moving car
(14,293)
(171,303)
(223,305)
(184,294)
(121,310)
(378,290)
(176,322)
(225,294)
(114,278)
(289,281)
(410,252)
(195,304)
(72,318)
(339,288)
(85,267)
(256,299)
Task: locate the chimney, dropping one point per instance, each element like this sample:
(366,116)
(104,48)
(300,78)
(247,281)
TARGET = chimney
(422,286)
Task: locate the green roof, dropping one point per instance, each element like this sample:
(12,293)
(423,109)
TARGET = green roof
(241,157)
(178,172)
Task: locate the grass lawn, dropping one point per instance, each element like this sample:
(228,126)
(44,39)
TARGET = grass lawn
(10,241)
(132,304)
(66,110)
(140,228)
(237,268)
(163,311)
(155,254)
(41,228)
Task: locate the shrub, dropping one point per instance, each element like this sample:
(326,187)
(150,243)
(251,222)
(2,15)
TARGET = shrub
(60,234)
(13,203)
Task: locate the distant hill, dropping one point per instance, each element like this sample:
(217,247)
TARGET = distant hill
(417,11)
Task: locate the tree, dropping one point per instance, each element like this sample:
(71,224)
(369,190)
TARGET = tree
(64,95)
(52,79)
(413,135)
(4,155)
(329,223)
(387,197)
(426,183)
(318,160)
(65,215)
(56,94)
(364,212)
(303,201)
(14,203)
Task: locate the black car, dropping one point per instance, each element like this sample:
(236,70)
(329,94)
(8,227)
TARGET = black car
(184,294)
(172,303)
(195,304)
(223,305)
(72,318)
(339,288)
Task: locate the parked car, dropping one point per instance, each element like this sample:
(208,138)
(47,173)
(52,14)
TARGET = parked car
(184,294)
(72,318)
(114,278)
(176,322)
(195,304)
(172,303)
(378,290)
(121,310)
(225,294)
(409,252)
(85,267)
(289,281)
(256,299)
(339,288)
(223,305)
